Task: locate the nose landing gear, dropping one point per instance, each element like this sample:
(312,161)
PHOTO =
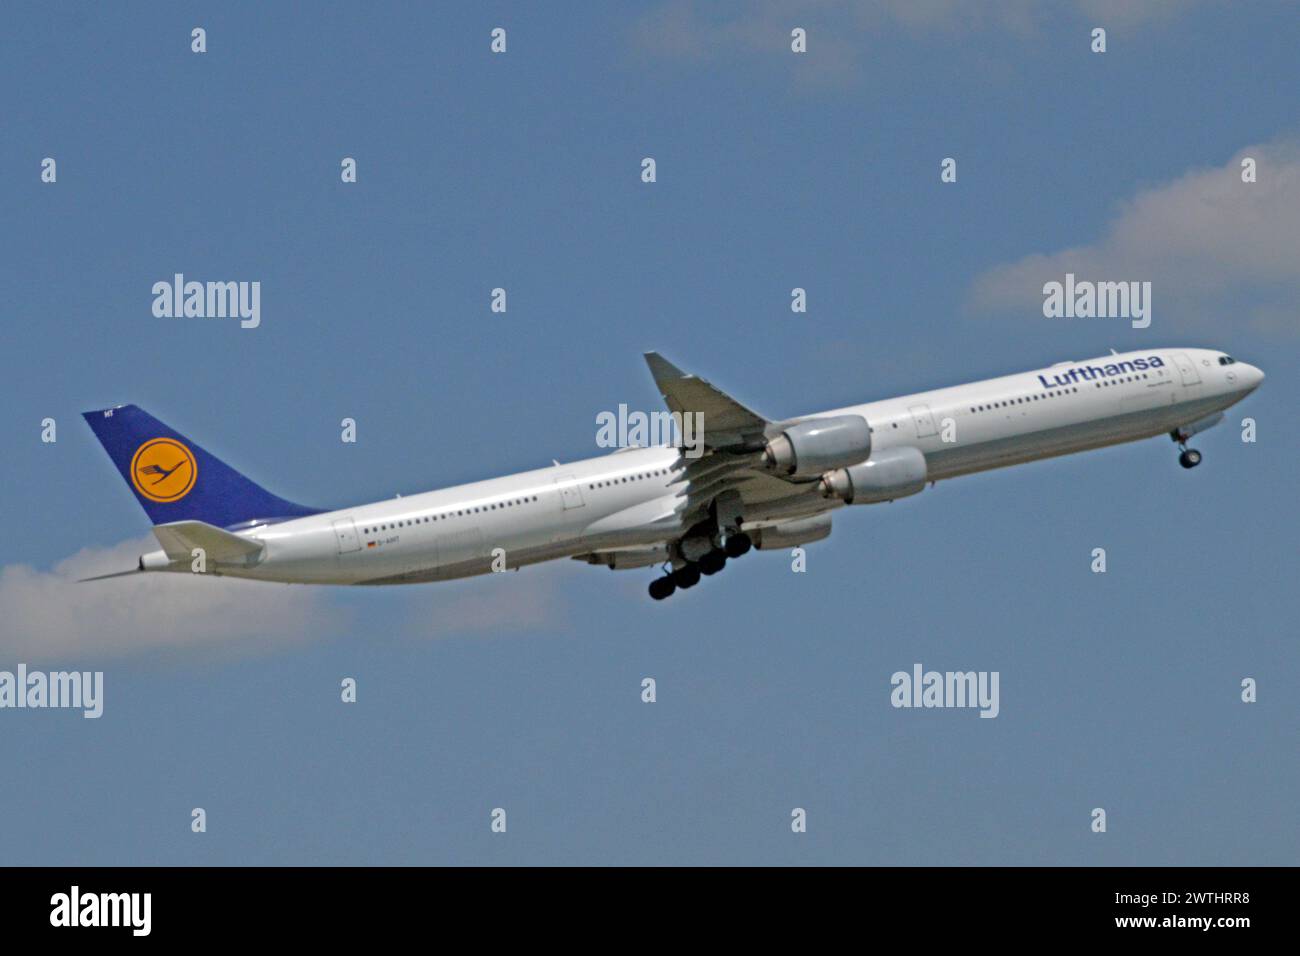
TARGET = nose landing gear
(1190,457)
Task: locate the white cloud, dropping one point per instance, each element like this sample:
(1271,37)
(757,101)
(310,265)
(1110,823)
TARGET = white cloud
(1123,12)
(685,29)
(1219,253)
(492,603)
(695,29)
(50,615)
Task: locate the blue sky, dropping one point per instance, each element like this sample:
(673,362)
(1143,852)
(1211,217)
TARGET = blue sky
(521,171)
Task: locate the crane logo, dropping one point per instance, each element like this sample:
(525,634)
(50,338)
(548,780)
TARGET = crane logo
(163,469)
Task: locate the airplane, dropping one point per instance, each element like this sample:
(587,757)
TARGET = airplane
(752,482)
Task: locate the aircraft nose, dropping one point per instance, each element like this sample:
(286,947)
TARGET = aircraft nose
(1252,376)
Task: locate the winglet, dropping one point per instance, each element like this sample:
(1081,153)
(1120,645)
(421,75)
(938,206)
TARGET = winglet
(663,370)
(725,422)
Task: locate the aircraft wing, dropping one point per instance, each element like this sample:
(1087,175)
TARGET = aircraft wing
(733,436)
(725,423)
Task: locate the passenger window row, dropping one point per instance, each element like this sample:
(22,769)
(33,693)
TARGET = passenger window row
(627,478)
(1025,399)
(444,515)
(1116,381)
(1054,393)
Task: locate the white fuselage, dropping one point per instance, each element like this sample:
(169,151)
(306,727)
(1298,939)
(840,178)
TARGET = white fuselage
(631,498)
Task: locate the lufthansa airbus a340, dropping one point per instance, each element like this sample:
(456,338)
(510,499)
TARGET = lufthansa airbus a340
(755,482)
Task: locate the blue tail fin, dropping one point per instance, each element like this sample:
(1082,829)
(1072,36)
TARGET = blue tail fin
(176,480)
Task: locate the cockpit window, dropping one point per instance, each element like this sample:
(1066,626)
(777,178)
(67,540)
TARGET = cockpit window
(1227,360)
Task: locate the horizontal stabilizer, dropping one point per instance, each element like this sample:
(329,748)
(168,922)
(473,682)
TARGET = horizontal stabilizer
(180,538)
(115,574)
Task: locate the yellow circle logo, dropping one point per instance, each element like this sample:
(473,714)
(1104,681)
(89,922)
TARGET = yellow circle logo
(163,470)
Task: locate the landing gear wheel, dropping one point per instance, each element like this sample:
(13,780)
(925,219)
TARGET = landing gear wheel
(737,544)
(687,576)
(1190,458)
(713,562)
(661,588)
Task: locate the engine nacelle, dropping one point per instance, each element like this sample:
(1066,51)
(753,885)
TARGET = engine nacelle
(810,448)
(789,534)
(889,474)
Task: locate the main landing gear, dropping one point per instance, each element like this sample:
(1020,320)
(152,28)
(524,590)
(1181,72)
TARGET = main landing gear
(660,588)
(737,545)
(1190,458)
(711,562)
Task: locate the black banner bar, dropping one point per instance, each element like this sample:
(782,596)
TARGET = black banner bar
(339,904)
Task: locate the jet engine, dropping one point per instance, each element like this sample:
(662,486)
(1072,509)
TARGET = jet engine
(810,448)
(888,474)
